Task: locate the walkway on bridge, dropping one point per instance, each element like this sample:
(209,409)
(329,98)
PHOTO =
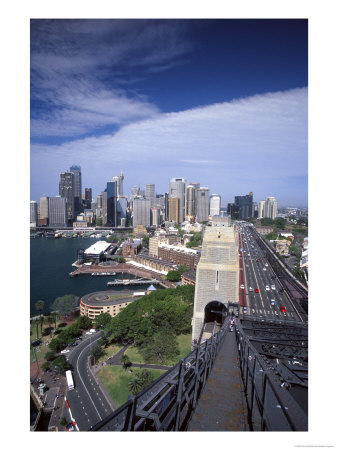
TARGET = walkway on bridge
(222,405)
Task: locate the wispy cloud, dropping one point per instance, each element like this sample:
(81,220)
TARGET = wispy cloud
(260,138)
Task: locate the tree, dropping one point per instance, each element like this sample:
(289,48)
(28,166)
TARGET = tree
(97,352)
(103,320)
(60,364)
(135,385)
(45,366)
(160,348)
(64,305)
(50,321)
(39,305)
(98,221)
(50,356)
(125,361)
(55,316)
(84,322)
(266,221)
(63,421)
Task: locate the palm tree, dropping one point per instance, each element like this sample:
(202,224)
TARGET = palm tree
(125,361)
(42,321)
(50,321)
(135,385)
(55,316)
(39,305)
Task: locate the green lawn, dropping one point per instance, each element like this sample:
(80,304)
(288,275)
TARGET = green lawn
(116,379)
(109,351)
(184,346)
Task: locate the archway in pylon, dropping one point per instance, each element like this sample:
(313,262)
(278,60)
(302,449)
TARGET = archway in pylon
(215,311)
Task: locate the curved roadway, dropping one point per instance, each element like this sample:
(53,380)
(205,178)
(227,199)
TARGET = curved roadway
(86,400)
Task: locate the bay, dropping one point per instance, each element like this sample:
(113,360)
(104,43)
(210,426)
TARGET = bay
(50,264)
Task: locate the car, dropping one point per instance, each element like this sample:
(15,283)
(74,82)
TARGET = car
(267,288)
(89,332)
(283,310)
(78,339)
(281,291)
(250,289)
(242,286)
(248,254)
(70,427)
(92,330)
(65,351)
(264,268)
(245,309)
(246,265)
(272,302)
(266,264)
(74,344)
(257,291)
(36,342)
(273,287)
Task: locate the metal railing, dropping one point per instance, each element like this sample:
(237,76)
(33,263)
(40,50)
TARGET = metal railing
(168,403)
(271,407)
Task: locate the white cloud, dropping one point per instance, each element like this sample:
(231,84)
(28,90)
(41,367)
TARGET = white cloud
(263,137)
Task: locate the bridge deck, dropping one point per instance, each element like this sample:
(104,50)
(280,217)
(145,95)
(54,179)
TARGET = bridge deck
(222,405)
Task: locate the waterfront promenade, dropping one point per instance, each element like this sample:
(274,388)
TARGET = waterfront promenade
(124,268)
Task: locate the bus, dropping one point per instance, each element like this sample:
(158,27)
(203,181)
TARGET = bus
(70,381)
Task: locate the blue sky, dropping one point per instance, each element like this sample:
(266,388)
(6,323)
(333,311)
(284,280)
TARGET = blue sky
(222,102)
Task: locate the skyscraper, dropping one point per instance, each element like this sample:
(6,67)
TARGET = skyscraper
(112,203)
(270,208)
(119,184)
(33,213)
(44,212)
(150,194)
(243,206)
(155,216)
(191,194)
(174,208)
(57,207)
(77,188)
(202,204)
(66,190)
(215,205)
(177,188)
(141,212)
(261,209)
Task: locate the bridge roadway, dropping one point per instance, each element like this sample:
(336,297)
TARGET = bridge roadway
(259,274)
(222,405)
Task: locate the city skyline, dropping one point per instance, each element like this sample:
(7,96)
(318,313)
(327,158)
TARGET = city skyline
(208,100)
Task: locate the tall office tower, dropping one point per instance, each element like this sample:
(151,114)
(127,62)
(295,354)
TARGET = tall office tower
(99,201)
(215,205)
(270,208)
(150,194)
(177,188)
(33,213)
(160,201)
(111,191)
(190,208)
(119,184)
(122,205)
(166,206)
(155,216)
(174,209)
(202,204)
(87,198)
(135,191)
(255,210)
(66,190)
(57,207)
(77,188)
(243,206)
(104,207)
(141,212)
(261,209)
(44,214)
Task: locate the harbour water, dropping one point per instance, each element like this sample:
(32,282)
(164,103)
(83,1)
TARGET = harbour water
(51,262)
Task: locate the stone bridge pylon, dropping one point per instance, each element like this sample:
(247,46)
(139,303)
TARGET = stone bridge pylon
(217,275)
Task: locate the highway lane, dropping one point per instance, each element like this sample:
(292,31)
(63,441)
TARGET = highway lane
(86,400)
(259,274)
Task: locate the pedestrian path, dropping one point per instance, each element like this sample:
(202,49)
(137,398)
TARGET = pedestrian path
(222,405)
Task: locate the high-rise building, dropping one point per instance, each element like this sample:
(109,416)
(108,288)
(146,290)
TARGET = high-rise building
(270,208)
(44,212)
(66,190)
(119,184)
(255,210)
(215,205)
(141,212)
(177,188)
(111,203)
(155,216)
(77,188)
(261,209)
(122,204)
(33,213)
(99,201)
(57,208)
(243,206)
(150,194)
(202,204)
(174,209)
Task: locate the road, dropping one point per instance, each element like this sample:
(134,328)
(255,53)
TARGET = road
(259,274)
(86,401)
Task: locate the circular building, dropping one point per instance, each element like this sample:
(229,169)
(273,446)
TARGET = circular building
(111,302)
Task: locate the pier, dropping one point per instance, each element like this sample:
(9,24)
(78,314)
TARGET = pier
(128,282)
